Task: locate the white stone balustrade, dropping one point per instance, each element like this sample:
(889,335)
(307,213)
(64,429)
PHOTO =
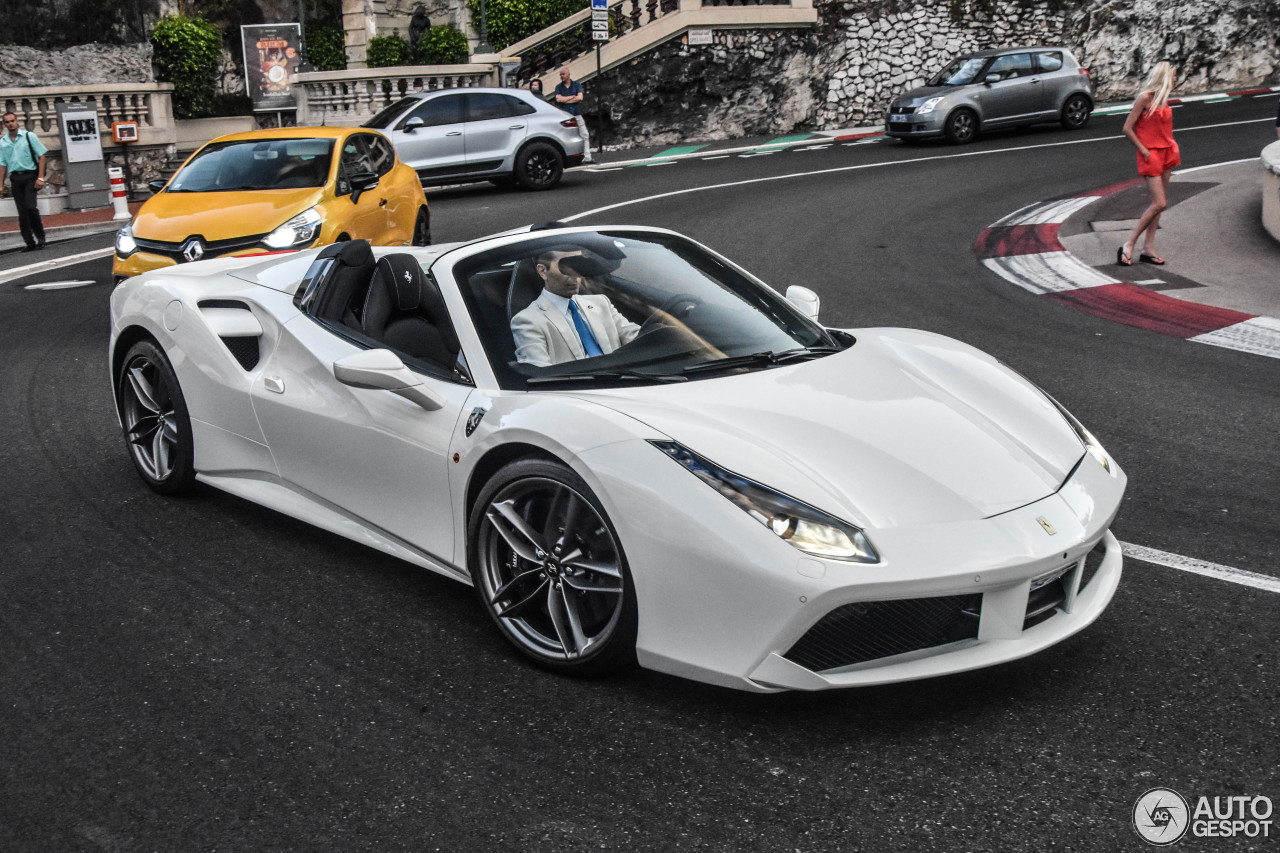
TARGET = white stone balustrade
(149,104)
(349,98)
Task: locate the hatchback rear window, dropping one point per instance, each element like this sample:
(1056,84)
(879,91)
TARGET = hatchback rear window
(1049,61)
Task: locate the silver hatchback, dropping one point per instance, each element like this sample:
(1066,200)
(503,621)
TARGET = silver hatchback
(995,88)
(501,135)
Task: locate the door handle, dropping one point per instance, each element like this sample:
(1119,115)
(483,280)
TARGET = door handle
(516,127)
(454,133)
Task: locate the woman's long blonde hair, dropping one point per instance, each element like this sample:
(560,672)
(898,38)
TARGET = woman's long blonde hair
(1159,83)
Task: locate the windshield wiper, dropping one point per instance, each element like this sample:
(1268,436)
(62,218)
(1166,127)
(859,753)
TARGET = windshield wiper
(760,359)
(606,374)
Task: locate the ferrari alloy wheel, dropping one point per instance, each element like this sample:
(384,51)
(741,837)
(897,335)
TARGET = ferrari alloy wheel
(539,166)
(1075,112)
(549,570)
(422,228)
(961,127)
(157,428)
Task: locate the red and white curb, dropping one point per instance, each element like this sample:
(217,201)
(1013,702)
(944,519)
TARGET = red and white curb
(1023,248)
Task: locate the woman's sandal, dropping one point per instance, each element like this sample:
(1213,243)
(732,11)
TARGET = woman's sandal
(1151,259)
(1122,259)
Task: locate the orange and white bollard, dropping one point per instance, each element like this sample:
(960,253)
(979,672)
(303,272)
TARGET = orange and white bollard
(118,197)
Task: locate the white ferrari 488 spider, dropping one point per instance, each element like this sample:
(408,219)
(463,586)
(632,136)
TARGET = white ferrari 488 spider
(634,450)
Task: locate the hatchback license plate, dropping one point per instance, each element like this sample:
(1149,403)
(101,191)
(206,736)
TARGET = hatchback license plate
(896,117)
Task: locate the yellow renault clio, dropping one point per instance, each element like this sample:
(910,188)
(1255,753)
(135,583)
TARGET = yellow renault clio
(277,190)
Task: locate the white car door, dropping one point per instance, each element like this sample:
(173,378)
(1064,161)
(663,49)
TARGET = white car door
(496,125)
(370,453)
(430,138)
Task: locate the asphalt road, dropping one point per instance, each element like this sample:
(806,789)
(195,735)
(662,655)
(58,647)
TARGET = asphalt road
(203,674)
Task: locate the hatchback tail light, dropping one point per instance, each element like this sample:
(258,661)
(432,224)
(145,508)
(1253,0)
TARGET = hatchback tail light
(1085,72)
(569,122)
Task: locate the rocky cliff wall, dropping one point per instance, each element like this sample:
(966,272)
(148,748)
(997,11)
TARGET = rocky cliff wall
(843,72)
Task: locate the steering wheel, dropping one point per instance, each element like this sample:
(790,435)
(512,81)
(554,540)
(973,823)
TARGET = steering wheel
(677,307)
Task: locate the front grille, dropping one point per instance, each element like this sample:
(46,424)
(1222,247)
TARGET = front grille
(903,111)
(1092,562)
(212,248)
(901,127)
(868,630)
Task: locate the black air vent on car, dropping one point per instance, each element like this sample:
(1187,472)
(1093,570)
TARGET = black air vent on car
(867,630)
(1091,563)
(244,350)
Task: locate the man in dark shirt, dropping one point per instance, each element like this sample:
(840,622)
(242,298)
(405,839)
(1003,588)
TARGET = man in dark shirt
(568,95)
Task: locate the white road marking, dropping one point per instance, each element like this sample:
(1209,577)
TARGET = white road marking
(884,165)
(717,157)
(1266,583)
(52,263)
(58,285)
(662,163)
(1150,281)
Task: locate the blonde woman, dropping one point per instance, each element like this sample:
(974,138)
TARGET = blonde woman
(1150,129)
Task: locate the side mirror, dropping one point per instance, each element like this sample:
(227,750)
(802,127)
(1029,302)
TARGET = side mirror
(413,124)
(992,78)
(155,186)
(382,370)
(804,299)
(360,182)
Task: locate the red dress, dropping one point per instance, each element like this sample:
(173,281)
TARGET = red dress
(1155,131)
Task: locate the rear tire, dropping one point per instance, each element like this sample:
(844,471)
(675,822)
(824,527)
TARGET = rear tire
(539,166)
(961,127)
(1075,112)
(157,427)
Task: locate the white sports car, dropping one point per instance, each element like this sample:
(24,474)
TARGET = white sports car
(728,491)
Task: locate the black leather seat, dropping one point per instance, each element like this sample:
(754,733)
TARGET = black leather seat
(405,311)
(525,287)
(345,283)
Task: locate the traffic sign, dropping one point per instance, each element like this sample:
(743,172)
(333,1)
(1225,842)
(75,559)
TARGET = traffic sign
(599,4)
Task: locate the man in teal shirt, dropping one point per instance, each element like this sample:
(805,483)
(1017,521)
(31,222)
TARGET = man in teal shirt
(22,160)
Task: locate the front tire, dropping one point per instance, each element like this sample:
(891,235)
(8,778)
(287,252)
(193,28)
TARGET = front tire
(549,569)
(422,228)
(539,166)
(157,427)
(1075,112)
(961,127)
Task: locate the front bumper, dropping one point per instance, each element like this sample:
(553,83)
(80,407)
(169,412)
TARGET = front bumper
(723,600)
(915,126)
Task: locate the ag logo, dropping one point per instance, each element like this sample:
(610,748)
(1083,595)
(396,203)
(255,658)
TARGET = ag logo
(193,251)
(1161,816)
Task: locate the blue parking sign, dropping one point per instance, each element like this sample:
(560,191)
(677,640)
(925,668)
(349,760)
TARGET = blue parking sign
(599,4)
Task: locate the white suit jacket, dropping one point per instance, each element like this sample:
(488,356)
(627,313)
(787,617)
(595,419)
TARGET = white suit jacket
(545,336)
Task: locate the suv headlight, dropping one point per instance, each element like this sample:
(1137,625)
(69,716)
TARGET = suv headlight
(805,528)
(125,244)
(927,106)
(297,232)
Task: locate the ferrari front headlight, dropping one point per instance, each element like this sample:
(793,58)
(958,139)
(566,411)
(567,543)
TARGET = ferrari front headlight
(299,231)
(1088,439)
(125,244)
(804,527)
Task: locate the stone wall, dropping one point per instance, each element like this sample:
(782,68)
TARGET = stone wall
(84,64)
(844,72)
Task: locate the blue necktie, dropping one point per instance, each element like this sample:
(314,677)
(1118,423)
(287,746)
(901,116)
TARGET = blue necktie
(584,331)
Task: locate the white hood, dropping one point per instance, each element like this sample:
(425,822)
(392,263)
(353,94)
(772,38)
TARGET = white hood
(905,428)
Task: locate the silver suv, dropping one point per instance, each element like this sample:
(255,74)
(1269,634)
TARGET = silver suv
(995,88)
(502,135)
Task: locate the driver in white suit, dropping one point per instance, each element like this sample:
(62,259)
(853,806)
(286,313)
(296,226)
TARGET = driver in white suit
(563,325)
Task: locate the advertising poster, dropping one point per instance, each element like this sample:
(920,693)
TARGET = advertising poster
(270,56)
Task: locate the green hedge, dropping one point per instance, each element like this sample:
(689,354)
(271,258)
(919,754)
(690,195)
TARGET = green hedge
(509,21)
(326,47)
(444,45)
(188,52)
(388,52)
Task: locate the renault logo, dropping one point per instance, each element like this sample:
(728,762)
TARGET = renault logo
(193,251)
(1048,528)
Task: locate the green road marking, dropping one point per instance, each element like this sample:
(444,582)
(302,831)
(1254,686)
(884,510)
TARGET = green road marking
(782,140)
(676,152)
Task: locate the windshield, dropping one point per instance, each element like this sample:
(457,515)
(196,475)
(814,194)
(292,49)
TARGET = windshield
(256,164)
(959,72)
(650,308)
(387,115)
